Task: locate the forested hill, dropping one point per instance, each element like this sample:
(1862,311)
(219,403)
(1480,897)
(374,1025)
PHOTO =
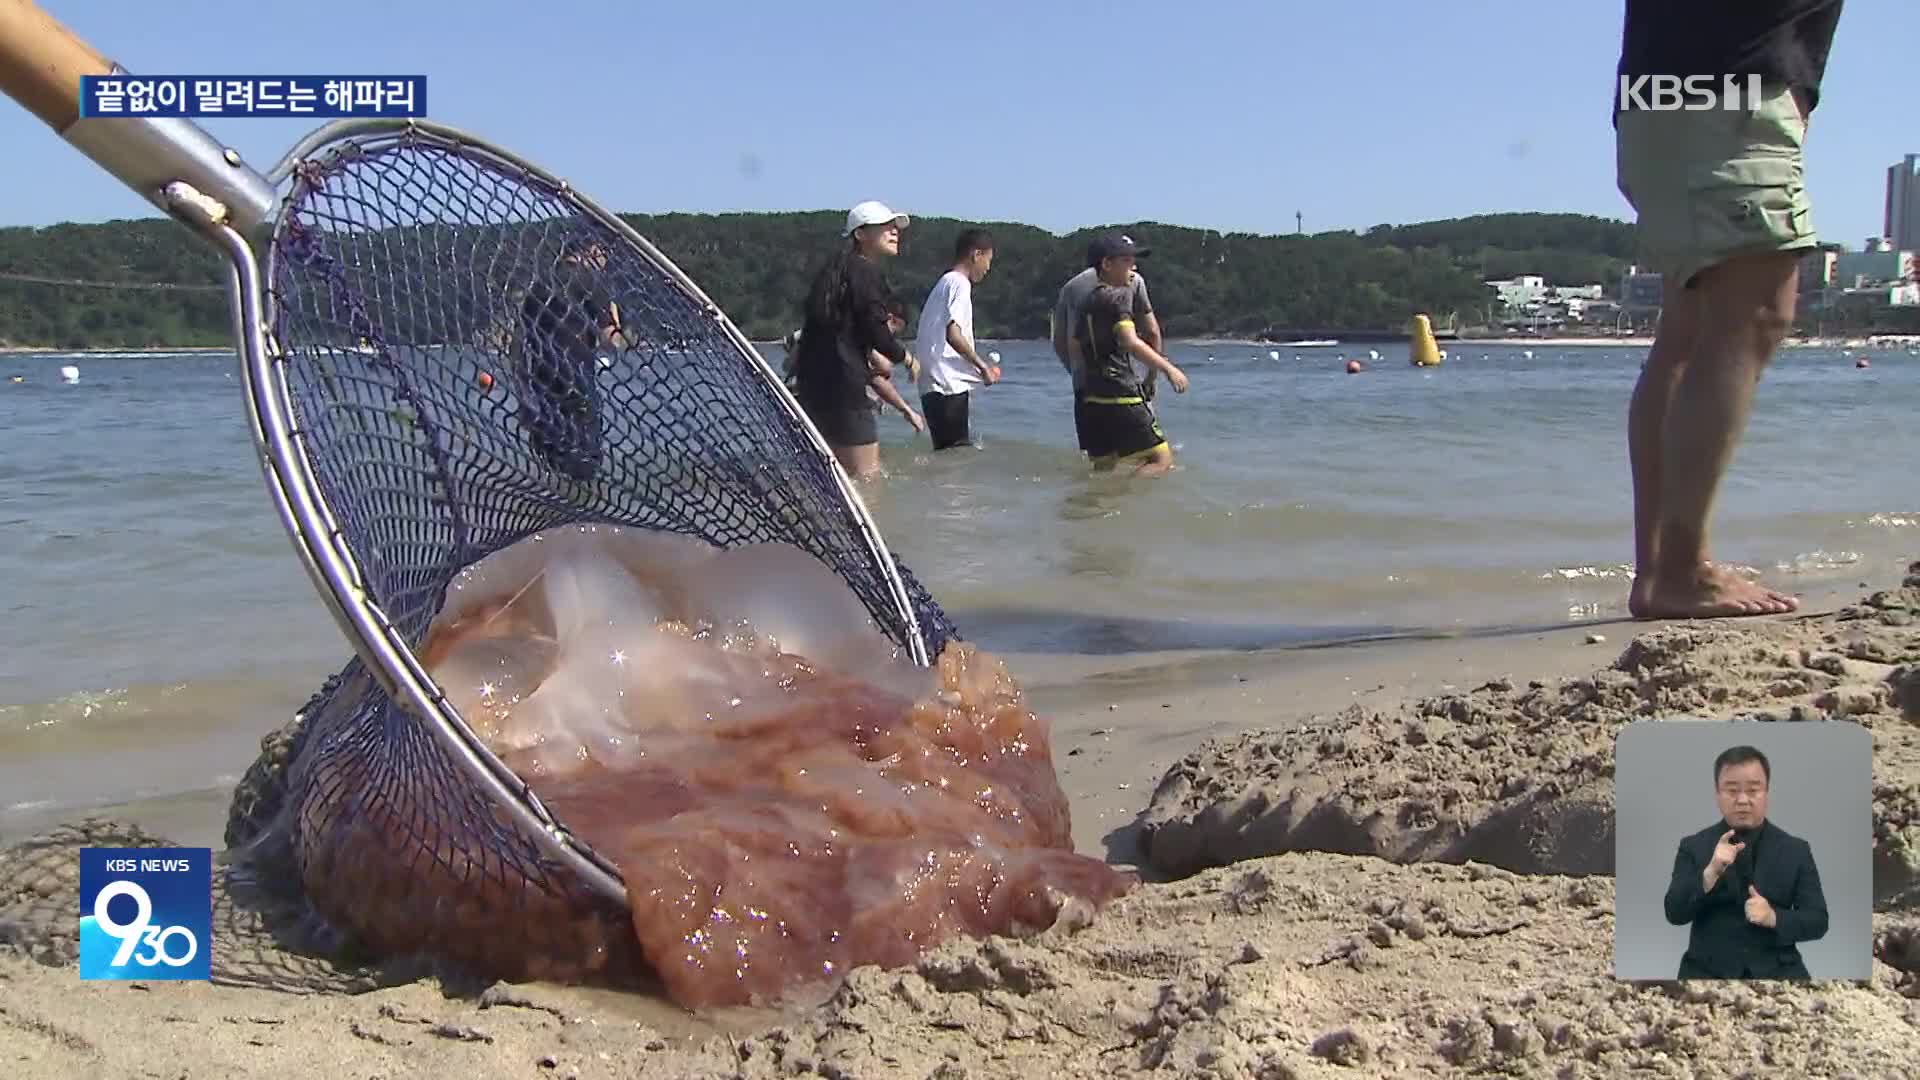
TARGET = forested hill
(756,266)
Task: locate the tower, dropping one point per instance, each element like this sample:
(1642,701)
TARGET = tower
(1903,204)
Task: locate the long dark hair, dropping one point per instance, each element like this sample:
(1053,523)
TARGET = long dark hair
(827,298)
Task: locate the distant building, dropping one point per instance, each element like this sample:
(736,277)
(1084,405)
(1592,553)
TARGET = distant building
(1903,204)
(1640,290)
(1515,294)
(1819,269)
(1528,302)
(1865,269)
(1867,299)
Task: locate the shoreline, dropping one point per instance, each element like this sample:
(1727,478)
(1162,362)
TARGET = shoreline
(1895,341)
(43,350)
(1113,710)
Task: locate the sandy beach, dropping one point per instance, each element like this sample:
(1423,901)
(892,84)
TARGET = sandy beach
(1250,951)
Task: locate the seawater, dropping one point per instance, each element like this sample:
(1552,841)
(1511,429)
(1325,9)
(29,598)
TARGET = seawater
(157,623)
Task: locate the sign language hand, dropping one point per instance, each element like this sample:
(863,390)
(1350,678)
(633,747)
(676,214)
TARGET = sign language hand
(1759,912)
(1726,851)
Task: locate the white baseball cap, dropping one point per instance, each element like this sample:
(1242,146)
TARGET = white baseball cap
(872,212)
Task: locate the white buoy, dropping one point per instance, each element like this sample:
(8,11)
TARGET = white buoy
(70,373)
(1273,354)
(1373,354)
(606,362)
(1528,353)
(993,357)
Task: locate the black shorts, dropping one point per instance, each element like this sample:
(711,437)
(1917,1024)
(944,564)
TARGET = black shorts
(1116,431)
(843,423)
(946,418)
(559,395)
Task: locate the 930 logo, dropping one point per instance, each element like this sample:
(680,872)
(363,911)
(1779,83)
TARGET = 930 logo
(146,913)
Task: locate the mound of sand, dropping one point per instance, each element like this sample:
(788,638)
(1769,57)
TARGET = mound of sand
(1521,777)
(1392,958)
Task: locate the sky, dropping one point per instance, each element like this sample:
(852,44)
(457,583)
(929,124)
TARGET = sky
(1225,114)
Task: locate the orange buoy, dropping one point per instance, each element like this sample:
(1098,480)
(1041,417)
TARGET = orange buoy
(1355,367)
(486,381)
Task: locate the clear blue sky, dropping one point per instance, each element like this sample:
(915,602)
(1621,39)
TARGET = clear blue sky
(1226,114)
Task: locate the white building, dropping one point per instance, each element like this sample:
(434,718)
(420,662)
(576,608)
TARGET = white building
(1517,293)
(1528,302)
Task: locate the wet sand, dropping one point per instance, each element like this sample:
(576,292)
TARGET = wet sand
(1261,957)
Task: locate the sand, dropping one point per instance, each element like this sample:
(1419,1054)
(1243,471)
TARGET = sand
(1313,811)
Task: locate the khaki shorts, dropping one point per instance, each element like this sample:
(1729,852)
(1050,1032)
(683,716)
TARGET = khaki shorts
(1713,183)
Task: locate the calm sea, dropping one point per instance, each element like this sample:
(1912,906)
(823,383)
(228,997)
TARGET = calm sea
(157,624)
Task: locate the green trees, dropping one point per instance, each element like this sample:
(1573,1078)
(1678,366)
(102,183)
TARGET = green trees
(757,267)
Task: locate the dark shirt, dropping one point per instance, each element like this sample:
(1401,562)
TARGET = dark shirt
(1722,943)
(1782,41)
(563,315)
(1110,373)
(846,318)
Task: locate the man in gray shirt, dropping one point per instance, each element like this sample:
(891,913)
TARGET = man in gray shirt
(1073,297)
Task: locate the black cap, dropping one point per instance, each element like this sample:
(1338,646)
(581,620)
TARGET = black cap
(1114,245)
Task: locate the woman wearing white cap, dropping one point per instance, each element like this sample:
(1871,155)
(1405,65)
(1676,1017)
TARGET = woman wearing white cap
(847,319)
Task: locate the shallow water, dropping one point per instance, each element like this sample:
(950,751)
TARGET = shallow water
(157,624)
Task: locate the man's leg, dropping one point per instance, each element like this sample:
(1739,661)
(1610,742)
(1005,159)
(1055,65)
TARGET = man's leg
(1141,439)
(1744,309)
(1155,462)
(1723,190)
(946,419)
(860,461)
(1673,346)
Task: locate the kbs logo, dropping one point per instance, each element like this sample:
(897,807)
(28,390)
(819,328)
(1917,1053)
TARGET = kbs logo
(1688,93)
(146,913)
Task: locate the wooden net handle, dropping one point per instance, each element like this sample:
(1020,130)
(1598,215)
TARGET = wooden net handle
(41,62)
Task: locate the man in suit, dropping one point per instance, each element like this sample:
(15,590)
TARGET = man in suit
(1748,888)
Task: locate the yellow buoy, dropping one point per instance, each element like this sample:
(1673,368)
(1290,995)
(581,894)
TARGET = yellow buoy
(1425,351)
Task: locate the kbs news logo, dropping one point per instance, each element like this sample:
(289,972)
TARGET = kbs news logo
(146,913)
(1688,93)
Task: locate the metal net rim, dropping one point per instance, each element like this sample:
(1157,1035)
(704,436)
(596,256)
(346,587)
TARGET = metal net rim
(332,565)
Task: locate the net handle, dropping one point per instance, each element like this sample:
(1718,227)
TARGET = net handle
(41,62)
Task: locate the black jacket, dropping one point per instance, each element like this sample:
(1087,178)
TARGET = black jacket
(1723,944)
(846,317)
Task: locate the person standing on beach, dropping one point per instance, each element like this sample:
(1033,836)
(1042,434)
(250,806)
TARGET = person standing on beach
(1724,215)
(1114,420)
(951,368)
(846,320)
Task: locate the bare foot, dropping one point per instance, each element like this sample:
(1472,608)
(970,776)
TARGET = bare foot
(1637,596)
(1713,593)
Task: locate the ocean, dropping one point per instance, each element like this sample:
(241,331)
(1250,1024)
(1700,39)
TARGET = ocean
(158,625)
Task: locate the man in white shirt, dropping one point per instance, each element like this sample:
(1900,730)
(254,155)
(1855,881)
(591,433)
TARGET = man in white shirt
(949,366)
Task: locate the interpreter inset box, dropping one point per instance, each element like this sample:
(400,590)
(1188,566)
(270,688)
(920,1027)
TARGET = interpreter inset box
(1743,850)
